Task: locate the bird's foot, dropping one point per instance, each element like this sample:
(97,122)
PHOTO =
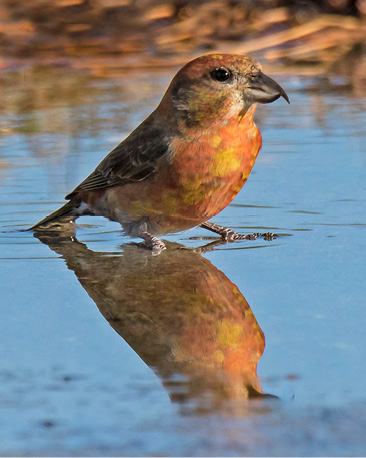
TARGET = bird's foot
(231,236)
(268,236)
(152,243)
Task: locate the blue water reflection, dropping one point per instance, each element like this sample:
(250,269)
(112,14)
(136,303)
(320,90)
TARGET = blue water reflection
(70,385)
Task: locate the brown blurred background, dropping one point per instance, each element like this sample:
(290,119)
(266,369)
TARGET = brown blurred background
(103,35)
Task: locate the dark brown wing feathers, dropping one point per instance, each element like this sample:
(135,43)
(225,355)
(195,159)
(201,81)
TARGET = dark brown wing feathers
(134,159)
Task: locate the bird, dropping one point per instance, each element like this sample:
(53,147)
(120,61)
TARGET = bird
(186,161)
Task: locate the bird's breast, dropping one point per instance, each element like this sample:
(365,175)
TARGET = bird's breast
(211,170)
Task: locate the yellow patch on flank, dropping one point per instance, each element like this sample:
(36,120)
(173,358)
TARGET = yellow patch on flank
(226,162)
(193,192)
(215,141)
(229,333)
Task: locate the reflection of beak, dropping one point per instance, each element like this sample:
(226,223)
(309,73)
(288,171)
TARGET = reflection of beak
(263,89)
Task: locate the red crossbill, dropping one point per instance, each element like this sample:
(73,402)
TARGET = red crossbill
(187,160)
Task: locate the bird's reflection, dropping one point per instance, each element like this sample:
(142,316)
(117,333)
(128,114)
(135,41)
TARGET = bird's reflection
(181,315)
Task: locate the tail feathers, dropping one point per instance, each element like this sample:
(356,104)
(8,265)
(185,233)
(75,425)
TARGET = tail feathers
(66,210)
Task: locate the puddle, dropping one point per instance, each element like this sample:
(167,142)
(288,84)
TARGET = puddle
(110,351)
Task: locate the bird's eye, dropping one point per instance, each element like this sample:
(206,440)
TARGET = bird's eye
(221,74)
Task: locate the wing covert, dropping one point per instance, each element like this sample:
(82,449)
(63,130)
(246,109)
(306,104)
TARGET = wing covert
(134,159)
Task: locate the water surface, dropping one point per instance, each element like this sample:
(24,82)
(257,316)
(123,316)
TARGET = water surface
(251,348)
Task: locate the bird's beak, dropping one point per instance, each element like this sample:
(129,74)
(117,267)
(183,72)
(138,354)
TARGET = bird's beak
(263,89)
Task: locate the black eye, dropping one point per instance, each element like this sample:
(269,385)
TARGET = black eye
(221,74)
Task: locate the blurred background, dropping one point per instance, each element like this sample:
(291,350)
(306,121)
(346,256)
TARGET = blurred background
(107,36)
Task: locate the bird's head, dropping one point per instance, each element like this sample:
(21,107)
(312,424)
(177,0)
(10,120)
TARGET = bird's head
(216,88)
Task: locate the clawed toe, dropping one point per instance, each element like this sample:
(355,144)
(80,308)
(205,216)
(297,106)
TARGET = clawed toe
(253,236)
(152,243)
(266,236)
(231,236)
(269,236)
(157,246)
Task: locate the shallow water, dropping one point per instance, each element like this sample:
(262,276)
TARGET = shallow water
(107,350)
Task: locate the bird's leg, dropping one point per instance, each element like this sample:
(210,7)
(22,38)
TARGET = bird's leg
(227,234)
(230,236)
(153,243)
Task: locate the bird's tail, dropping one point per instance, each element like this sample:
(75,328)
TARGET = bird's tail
(66,212)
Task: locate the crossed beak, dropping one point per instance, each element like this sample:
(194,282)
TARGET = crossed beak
(263,89)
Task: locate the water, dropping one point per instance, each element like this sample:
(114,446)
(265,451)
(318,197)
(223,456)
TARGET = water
(109,351)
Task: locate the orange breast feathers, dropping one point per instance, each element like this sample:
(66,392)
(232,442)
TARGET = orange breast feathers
(211,170)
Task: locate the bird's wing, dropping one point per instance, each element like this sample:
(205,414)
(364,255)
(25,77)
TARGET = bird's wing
(134,159)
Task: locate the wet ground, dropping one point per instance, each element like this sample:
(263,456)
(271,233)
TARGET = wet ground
(109,351)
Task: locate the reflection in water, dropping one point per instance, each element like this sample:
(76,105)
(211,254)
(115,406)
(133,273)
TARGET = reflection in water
(180,314)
